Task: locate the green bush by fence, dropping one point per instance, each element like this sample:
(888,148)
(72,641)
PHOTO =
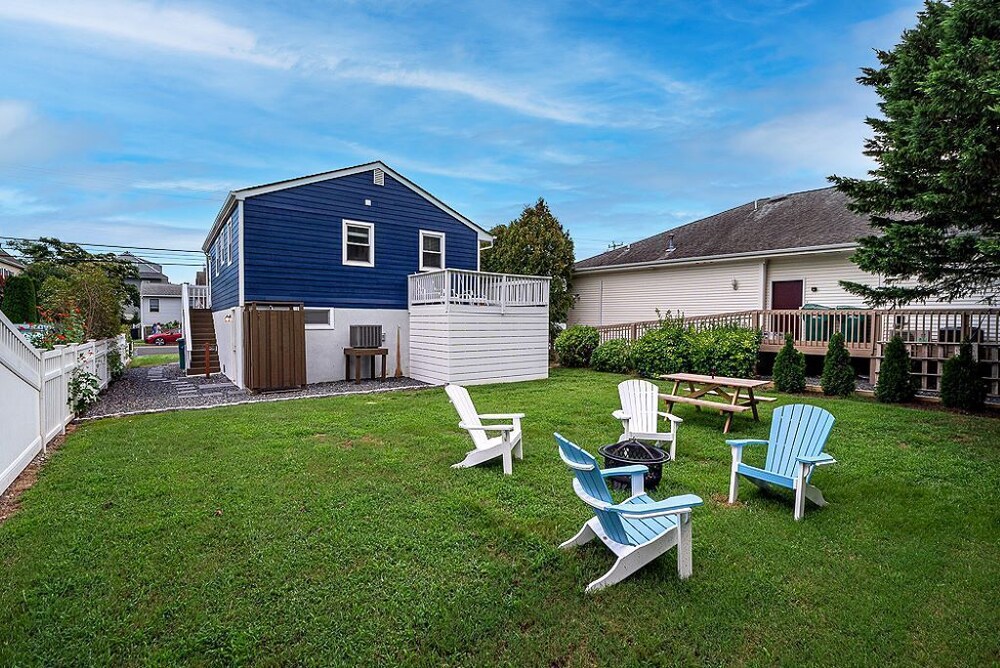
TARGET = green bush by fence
(614,356)
(576,344)
(720,351)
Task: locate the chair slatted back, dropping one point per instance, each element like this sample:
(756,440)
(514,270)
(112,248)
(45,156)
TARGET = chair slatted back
(639,400)
(588,475)
(796,430)
(460,399)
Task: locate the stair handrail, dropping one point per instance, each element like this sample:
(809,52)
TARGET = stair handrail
(186,322)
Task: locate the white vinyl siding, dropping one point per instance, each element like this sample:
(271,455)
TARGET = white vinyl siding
(822,272)
(694,289)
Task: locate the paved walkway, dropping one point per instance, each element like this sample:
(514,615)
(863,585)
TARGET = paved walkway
(164,388)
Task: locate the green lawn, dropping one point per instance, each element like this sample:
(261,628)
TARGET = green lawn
(154,360)
(332,532)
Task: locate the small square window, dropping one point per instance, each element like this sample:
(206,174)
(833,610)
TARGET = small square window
(154,305)
(431,251)
(319,318)
(359,244)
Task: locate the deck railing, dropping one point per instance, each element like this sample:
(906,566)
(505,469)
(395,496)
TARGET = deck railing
(450,287)
(931,335)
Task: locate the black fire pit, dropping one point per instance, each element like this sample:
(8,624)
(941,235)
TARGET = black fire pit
(625,453)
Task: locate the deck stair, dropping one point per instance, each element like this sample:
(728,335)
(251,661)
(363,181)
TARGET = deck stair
(202,332)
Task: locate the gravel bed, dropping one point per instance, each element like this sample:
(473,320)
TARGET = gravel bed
(164,388)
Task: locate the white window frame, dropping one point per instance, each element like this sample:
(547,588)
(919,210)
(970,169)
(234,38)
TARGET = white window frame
(228,240)
(329,323)
(153,300)
(216,258)
(371,243)
(420,250)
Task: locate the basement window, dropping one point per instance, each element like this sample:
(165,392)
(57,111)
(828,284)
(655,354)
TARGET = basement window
(359,244)
(431,250)
(319,318)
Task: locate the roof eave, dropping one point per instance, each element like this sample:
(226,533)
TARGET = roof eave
(803,250)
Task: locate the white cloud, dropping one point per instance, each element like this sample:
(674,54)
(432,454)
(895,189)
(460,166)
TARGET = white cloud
(14,115)
(185,185)
(825,141)
(170,28)
(17,203)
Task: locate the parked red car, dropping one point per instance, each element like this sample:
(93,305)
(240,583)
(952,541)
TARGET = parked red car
(163,338)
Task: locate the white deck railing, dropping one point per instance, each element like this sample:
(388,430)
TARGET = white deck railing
(478,288)
(192,296)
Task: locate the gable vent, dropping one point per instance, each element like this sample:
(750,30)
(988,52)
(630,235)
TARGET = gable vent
(379,177)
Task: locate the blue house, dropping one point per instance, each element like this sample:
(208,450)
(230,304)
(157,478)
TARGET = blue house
(345,244)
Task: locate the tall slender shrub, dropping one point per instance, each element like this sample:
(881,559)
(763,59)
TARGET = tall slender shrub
(962,383)
(790,368)
(838,374)
(895,384)
(19,301)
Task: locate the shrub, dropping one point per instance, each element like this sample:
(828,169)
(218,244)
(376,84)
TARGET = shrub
(790,368)
(576,344)
(962,384)
(838,374)
(614,356)
(83,389)
(19,302)
(725,351)
(662,351)
(895,384)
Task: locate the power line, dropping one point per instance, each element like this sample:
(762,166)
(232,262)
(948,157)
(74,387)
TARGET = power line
(77,243)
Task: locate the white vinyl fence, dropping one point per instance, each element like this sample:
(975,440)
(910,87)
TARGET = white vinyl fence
(34,392)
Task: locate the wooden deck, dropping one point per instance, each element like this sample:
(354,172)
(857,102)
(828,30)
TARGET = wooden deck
(931,335)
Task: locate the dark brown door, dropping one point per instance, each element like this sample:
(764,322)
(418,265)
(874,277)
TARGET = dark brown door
(786,294)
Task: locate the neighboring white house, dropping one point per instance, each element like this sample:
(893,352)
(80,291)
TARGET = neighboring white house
(160,304)
(8,265)
(776,253)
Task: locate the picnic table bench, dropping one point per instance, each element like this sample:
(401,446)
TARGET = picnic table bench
(728,390)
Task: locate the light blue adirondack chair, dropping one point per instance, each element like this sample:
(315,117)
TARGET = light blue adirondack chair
(794,449)
(639,529)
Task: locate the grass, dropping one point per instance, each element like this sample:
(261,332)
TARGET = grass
(333,532)
(153,360)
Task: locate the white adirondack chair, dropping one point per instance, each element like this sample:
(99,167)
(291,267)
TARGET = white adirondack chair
(639,529)
(507,444)
(640,417)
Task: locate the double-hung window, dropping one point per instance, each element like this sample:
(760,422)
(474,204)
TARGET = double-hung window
(431,250)
(359,243)
(154,305)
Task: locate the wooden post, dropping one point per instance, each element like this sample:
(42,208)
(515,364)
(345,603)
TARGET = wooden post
(399,358)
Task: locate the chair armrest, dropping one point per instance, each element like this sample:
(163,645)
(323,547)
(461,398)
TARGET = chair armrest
(670,416)
(746,441)
(486,427)
(675,505)
(502,416)
(621,415)
(817,460)
(625,470)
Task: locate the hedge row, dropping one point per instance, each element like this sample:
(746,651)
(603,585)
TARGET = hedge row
(671,348)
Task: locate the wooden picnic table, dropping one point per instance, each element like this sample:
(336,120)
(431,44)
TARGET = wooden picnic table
(728,391)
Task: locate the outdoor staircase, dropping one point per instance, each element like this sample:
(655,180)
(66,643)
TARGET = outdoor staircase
(202,332)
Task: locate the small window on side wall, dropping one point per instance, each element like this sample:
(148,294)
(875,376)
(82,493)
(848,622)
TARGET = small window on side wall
(431,250)
(319,318)
(154,305)
(359,243)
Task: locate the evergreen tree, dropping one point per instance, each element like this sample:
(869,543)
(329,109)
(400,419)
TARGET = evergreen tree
(962,383)
(19,302)
(895,384)
(838,374)
(536,244)
(790,368)
(934,197)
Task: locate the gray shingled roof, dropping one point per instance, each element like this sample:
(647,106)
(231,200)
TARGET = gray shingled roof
(800,220)
(160,290)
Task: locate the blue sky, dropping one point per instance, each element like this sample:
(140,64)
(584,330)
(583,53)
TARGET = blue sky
(127,122)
